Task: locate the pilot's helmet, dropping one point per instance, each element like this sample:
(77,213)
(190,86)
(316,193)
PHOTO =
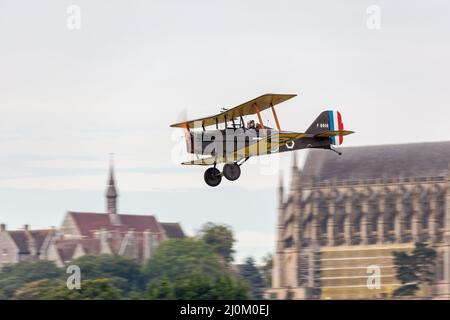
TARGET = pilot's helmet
(251,124)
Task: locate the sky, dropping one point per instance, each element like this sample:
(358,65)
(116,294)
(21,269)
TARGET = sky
(71,96)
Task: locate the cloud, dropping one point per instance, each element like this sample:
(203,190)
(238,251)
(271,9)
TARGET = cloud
(134,182)
(248,238)
(79,164)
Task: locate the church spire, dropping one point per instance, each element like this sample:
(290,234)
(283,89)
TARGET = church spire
(280,190)
(295,182)
(294,161)
(111,191)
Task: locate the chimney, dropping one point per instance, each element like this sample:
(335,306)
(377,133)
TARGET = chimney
(26,227)
(2,227)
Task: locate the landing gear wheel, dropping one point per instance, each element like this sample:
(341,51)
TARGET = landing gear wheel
(212,177)
(231,171)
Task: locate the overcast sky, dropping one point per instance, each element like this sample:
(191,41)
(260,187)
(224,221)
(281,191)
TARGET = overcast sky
(69,97)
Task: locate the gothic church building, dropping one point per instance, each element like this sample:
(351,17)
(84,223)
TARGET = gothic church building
(345,215)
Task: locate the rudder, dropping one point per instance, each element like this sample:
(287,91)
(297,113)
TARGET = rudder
(328,121)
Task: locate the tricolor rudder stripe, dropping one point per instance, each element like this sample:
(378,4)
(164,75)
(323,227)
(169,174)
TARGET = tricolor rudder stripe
(336,125)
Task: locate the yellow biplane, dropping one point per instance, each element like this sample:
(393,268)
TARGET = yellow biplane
(234,140)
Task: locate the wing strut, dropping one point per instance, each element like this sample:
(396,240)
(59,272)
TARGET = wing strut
(275,117)
(259,116)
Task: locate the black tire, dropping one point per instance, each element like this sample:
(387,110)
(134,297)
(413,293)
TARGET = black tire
(212,177)
(231,171)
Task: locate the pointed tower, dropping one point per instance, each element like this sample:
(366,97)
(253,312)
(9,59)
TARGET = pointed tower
(277,270)
(295,182)
(447,219)
(280,191)
(112,195)
(296,196)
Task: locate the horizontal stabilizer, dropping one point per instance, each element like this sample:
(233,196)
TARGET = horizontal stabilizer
(328,133)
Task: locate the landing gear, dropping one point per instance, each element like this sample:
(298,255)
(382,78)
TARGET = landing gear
(212,177)
(231,171)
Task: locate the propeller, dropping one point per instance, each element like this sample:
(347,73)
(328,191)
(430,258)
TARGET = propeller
(183,117)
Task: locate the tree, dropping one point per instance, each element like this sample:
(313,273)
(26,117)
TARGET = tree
(199,287)
(266,269)
(414,269)
(98,289)
(123,273)
(190,269)
(220,237)
(36,290)
(250,273)
(93,289)
(178,258)
(15,276)
(161,290)
(104,277)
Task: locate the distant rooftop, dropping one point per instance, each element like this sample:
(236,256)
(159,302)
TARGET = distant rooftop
(428,159)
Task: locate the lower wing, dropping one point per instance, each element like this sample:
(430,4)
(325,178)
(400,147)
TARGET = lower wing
(264,146)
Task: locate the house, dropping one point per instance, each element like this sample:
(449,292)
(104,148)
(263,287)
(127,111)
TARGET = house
(24,245)
(90,233)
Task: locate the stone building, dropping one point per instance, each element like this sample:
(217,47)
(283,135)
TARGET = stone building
(24,245)
(344,215)
(88,233)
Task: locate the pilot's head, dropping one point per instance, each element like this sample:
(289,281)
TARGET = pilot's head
(251,124)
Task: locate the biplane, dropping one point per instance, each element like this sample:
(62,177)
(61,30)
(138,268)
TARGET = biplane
(234,138)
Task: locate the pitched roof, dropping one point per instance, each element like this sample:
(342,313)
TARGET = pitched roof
(39,236)
(21,240)
(173,229)
(66,248)
(88,222)
(382,161)
(66,251)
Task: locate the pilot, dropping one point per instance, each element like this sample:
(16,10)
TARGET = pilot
(251,124)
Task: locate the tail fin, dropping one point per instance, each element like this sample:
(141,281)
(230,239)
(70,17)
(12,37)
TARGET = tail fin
(328,121)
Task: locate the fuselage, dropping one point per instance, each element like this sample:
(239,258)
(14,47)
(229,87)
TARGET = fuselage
(216,142)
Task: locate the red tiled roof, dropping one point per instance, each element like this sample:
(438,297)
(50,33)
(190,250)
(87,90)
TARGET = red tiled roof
(88,222)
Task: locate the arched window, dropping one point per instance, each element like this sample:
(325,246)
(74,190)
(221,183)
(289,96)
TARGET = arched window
(339,221)
(323,224)
(389,221)
(440,267)
(373,215)
(440,213)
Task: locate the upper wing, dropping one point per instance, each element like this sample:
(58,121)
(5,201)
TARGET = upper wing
(263,146)
(250,107)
